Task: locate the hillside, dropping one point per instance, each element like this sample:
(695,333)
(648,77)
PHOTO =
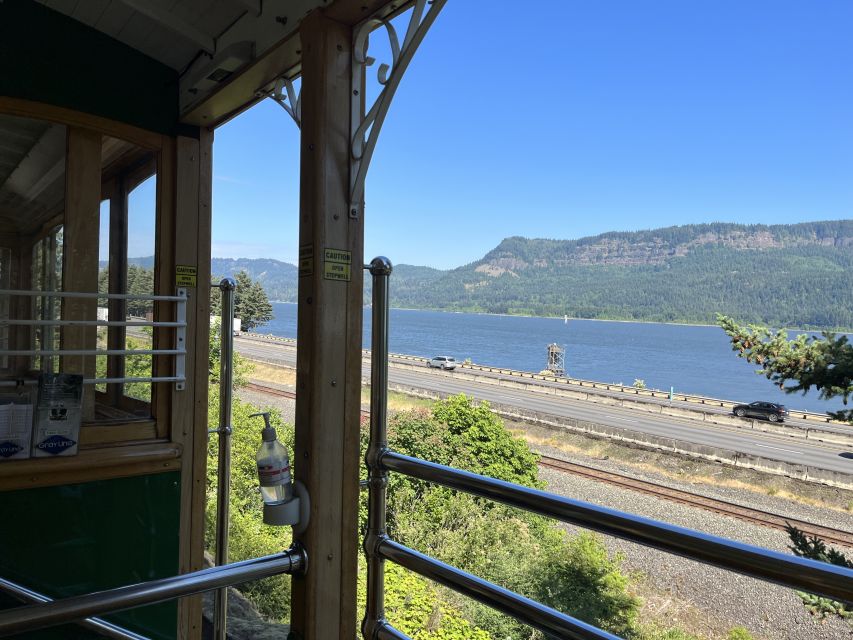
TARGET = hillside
(784,275)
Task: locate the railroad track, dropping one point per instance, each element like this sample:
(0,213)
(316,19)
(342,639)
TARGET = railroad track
(747,514)
(272,391)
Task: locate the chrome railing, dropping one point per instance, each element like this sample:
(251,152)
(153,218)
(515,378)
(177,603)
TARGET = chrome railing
(101,627)
(808,575)
(49,614)
(223,472)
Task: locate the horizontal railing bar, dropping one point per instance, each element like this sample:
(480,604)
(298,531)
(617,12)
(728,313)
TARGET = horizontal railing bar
(523,609)
(791,571)
(90,323)
(93,352)
(40,616)
(81,294)
(388,632)
(29,382)
(99,626)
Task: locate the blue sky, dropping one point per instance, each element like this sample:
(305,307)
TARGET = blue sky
(573,119)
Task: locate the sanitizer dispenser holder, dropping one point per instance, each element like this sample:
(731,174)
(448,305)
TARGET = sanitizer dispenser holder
(294,512)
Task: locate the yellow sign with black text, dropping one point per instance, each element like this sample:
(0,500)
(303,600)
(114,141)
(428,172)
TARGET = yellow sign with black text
(186,276)
(337,264)
(306,260)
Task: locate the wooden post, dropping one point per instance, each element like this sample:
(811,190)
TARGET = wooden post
(189,408)
(116,336)
(328,368)
(80,252)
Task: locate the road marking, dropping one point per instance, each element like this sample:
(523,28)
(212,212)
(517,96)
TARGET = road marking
(799,453)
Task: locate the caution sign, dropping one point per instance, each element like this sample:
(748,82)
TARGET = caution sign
(337,264)
(306,260)
(186,276)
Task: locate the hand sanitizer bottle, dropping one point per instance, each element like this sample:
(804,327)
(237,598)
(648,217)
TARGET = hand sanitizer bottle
(273,466)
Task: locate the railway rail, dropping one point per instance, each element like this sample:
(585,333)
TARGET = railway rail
(748,514)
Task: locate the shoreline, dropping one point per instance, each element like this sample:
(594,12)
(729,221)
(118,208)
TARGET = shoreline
(671,323)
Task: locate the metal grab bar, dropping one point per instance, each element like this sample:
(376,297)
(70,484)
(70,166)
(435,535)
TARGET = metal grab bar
(90,295)
(228,287)
(40,616)
(99,626)
(92,352)
(788,570)
(32,383)
(90,323)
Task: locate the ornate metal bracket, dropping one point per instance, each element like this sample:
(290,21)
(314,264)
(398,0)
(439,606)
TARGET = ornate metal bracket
(286,96)
(365,127)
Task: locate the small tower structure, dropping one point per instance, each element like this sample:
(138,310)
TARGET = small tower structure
(556,360)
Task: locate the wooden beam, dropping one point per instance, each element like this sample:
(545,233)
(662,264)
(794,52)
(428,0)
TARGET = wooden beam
(164,283)
(328,372)
(41,111)
(80,251)
(189,407)
(116,336)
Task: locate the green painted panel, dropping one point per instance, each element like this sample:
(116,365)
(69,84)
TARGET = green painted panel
(73,539)
(48,57)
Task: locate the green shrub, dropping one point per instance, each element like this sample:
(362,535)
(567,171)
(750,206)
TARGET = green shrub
(515,549)
(739,633)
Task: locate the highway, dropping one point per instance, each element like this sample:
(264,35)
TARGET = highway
(778,447)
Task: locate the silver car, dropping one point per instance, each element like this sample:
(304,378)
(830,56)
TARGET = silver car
(442,362)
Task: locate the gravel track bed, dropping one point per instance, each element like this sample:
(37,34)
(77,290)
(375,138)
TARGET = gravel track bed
(287,406)
(676,585)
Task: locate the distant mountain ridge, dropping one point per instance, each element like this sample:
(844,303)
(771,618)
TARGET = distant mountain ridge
(795,275)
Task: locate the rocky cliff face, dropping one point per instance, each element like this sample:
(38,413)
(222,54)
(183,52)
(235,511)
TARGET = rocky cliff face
(657,246)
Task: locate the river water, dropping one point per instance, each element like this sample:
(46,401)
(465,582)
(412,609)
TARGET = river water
(692,359)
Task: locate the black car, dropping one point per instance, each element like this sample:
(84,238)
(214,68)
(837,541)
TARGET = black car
(770,410)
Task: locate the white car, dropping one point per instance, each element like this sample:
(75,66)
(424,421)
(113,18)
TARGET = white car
(442,362)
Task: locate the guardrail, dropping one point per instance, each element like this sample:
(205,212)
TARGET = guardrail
(180,326)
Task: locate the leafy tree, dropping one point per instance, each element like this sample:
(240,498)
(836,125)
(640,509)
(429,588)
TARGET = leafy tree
(242,366)
(140,281)
(815,549)
(823,363)
(251,303)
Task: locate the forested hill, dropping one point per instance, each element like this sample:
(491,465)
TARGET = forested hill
(785,275)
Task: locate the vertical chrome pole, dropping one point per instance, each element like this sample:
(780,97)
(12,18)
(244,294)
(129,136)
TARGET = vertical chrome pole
(226,386)
(374,619)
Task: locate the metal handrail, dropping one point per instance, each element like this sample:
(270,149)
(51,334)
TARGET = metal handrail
(90,295)
(40,616)
(32,382)
(800,573)
(788,570)
(89,323)
(228,287)
(99,626)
